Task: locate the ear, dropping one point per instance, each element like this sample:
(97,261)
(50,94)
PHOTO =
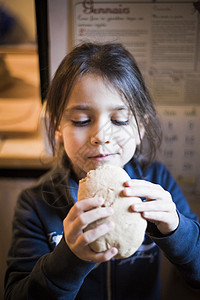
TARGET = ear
(58,135)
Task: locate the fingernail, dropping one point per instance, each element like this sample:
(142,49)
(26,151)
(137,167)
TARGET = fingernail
(114,251)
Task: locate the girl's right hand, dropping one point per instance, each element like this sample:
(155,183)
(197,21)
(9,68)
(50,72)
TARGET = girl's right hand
(80,215)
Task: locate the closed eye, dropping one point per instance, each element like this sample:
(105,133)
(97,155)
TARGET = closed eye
(120,123)
(80,123)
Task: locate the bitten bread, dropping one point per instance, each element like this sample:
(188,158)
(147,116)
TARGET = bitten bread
(128,234)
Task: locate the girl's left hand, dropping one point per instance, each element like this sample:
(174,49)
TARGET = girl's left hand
(158,206)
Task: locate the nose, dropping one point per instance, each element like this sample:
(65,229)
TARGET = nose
(102,136)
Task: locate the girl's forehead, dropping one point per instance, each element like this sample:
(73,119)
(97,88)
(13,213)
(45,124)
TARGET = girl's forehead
(93,90)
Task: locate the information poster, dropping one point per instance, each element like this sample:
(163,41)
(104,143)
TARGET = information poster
(164,37)
(180,149)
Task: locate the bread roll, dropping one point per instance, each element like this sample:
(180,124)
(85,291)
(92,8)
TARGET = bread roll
(128,234)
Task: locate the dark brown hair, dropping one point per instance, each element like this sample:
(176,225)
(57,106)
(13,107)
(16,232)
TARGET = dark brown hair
(117,66)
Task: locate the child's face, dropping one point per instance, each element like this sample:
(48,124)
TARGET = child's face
(97,127)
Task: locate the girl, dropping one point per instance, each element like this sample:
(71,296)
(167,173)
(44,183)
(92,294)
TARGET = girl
(101,113)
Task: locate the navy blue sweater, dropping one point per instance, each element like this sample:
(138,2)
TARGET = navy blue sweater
(41,265)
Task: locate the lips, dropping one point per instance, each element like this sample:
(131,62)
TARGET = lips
(101,156)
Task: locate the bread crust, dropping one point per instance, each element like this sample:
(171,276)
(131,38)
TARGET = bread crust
(128,234)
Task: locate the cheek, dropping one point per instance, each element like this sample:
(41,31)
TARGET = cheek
(135,135)
(129,137)
(130,147)
(73,140)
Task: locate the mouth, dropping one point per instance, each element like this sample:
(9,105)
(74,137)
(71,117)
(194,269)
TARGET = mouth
(101,157)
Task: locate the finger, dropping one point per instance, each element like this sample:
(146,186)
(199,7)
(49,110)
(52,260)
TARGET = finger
(103,256)
(84,205)
(154,205)
(137,182)
(150,192)
(88,217)
(165,222)
(93,234)
(156,216)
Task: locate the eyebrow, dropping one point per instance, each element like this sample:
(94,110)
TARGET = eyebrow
(87,107)
(77,107)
